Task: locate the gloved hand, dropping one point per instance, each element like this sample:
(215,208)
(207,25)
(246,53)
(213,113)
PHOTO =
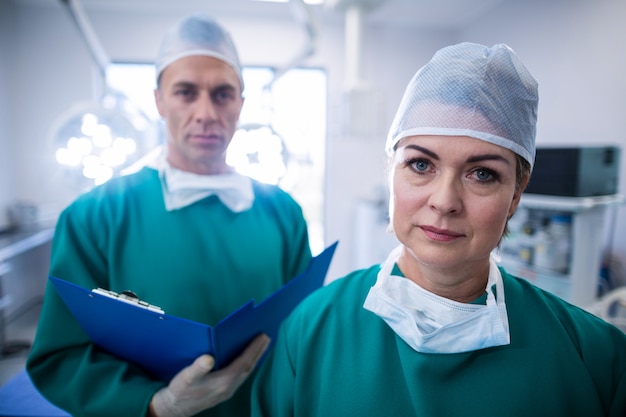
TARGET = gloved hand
(196,388)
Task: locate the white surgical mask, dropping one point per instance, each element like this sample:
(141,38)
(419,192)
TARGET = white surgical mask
(433,324)
(181,188)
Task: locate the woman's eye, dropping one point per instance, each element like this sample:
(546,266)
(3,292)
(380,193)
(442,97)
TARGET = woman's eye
(420,165)
(485,175)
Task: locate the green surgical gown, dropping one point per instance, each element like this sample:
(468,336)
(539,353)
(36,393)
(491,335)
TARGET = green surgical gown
(334,358)
(200,262)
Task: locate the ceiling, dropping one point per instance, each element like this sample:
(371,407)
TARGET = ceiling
(433,14)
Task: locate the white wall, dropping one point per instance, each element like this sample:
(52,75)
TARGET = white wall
(6,137)
(572,47)
(52,71)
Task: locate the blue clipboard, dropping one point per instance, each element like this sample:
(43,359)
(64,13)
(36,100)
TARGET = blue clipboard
(163,344)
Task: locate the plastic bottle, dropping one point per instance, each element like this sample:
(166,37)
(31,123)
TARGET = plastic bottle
(561,234)
(544,248)
(526,245)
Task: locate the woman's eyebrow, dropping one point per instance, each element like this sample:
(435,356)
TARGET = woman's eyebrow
(424,150)
(471,159)
(488,157)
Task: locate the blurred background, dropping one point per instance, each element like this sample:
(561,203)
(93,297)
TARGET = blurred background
(323,82)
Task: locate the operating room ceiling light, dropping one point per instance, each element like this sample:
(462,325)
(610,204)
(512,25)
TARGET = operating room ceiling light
(259,152)
(97,139)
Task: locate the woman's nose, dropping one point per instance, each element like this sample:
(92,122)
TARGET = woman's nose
(446,195)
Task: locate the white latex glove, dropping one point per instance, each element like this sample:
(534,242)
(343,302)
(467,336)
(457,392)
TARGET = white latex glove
(196,388)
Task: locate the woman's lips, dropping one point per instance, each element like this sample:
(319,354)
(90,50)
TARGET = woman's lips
(440,235)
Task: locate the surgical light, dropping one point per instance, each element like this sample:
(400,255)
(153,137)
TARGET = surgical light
(258,152)
(97,139)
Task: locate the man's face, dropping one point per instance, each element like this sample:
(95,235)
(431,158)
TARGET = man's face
(199,97)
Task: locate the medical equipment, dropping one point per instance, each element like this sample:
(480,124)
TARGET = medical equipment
(612,308)
(575,171)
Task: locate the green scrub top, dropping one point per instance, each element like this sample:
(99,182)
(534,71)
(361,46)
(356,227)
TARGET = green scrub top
(334,358)
(200,262)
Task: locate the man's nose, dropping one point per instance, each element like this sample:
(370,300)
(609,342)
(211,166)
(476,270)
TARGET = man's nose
(205,110)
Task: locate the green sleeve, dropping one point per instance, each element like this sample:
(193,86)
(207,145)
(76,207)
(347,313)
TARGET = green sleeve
(68,370)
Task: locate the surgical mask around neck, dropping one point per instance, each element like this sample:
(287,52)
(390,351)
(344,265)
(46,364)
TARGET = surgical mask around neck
(182,188)
(430,323)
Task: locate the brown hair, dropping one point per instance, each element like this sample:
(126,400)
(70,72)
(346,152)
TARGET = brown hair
(522,176)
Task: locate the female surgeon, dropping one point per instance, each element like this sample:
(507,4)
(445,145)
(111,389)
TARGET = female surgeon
(439,329)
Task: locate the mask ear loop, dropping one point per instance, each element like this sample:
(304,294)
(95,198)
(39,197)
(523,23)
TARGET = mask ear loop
(495,279)
(387,267)
(496,301)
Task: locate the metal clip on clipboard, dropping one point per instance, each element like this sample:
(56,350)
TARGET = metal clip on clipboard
(128,297)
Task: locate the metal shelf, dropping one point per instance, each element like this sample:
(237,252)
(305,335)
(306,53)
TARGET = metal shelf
(588,214)
(572,204)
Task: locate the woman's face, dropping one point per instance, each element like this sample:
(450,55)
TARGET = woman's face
(451,197)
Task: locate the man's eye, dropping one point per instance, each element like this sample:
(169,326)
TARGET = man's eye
(184,92)
(222,96)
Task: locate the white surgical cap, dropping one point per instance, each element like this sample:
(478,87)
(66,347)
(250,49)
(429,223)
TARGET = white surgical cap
(471,90)
(197,34)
